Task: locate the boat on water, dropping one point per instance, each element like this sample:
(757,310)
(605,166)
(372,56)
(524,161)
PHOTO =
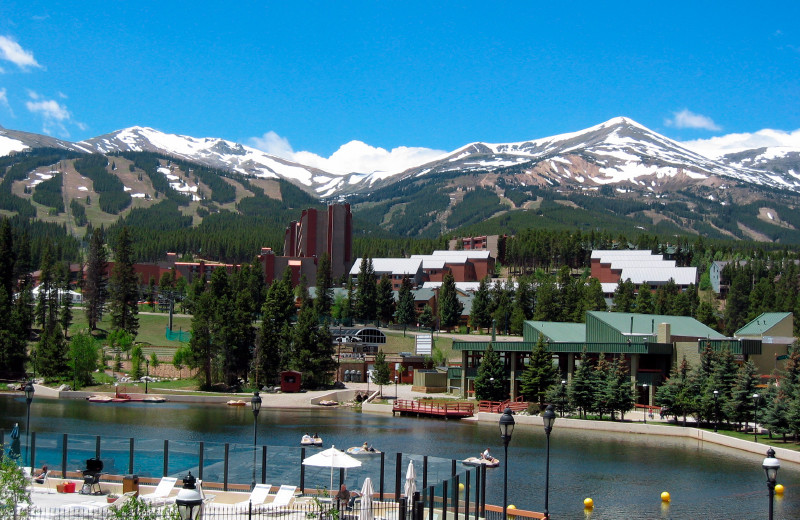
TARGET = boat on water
(308,440)
(328,403)
(99,399)
(153,399)
(236,402)
(478,461)
(360,450)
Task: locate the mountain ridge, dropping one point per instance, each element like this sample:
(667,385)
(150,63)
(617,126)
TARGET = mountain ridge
(619,151)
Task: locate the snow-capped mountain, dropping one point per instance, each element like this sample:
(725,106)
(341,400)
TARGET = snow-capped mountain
(618,152)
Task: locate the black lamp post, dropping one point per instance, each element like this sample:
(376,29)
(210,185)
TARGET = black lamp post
(755,417)
(716,410)
(189,500)
(147,373)
(256,403)
(506,429)
(646,402)
(563,395)
(396,379)
(29,391)
(771,465)
(549,418)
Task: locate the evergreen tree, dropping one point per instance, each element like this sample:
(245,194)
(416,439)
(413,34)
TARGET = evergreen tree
(324,296)
(740,407)
(547,301)
(618,390)
(736,304)
(202,348)
(624,296)
(65,317)
(124,287)
(426,318)
(381,372)
(490,382)
(593,299)
(406,309)
(385,300)
(582,386)
(450,308)
(644,300)
(540,375)
(705,314)
(503,298)
(480,315)
(675,394)
(272,346)
(312,348)
(366,292)
(96,282)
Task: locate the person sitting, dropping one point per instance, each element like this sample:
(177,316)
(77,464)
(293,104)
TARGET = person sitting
(39,478)
(371,449)
(486,455)
(343,497)
(306,438)
(365,447)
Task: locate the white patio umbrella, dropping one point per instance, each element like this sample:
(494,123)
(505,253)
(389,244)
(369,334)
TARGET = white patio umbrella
(332,458)
(411,480)
(365,513)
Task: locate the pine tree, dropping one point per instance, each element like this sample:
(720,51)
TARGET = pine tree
(406,309)
(618,388)
(312,348)
(450,308)
(96,282)
(124,287)
(272,344)
(593,299)
(426,319)
(324,296)
(381,371)
(740,407)
(385,300)
(366,292)
(490,382)
(623,299)
(582,386)
(540,375)
(644,300)
(480,315)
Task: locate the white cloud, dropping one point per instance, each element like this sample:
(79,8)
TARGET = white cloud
(732,143)
(688,119)
(354,156)
(54,115)
(4,101)
(11,51)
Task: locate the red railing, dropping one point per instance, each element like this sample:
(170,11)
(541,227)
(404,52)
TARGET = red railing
(442,409)
(517,405)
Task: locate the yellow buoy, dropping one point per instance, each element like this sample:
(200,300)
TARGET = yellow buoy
(779,489)
(460,486)
(665,497)
(588,503)
(509,508)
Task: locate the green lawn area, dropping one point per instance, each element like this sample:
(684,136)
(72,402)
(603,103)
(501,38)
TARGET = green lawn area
(152,327)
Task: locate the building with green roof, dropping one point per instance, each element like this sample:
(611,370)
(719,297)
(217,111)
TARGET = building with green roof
(650,344)
(775,332)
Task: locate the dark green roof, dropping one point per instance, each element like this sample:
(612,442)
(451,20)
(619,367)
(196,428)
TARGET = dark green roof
(762,324)
(629,323)
(560,332)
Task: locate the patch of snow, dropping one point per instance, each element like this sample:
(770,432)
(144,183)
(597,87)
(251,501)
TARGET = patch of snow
(8,145)
(125,188)
(137,195)
(770,216)
(44,176)
(83,188)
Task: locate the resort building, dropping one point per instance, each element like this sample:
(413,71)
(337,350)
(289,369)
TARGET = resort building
(642,267)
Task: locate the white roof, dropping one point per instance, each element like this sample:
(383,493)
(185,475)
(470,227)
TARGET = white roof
(409,266)
(608,287)
(437,262)
(644,262)
(656,275)
(460,286)
(475,253)
(602,253)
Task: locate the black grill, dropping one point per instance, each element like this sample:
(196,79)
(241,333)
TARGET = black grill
(91,477)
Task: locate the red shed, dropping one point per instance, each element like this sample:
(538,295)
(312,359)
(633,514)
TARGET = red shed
(291,381)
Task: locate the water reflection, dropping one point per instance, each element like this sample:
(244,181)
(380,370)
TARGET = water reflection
(624,474)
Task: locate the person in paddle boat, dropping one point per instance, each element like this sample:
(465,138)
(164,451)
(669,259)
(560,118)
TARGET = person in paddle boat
(307,438)
(486,455)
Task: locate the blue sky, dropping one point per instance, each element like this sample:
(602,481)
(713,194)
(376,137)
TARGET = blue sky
(313,76)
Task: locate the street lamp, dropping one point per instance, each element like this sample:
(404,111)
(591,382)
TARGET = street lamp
(256,403)
(646,402)
(396,379)
(755,417)
(716,410)
(563,395)
(29,391)
(771,465)
(506,429)
(548,418)
(147,376)
(189,500)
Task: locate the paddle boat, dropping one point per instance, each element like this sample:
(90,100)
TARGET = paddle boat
(478,461)
(328,403)
(308,440)
(236,402)
(361,450)
(99,399)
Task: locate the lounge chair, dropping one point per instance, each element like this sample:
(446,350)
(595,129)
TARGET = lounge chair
(257,498)
(283,498)
(162,491)
(99,505)
(44,484)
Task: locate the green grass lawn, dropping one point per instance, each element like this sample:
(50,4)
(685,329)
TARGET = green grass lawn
(152,327)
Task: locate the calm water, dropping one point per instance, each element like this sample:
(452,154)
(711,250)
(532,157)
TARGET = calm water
(624,474)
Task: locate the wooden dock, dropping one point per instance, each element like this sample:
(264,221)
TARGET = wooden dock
(448,411)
